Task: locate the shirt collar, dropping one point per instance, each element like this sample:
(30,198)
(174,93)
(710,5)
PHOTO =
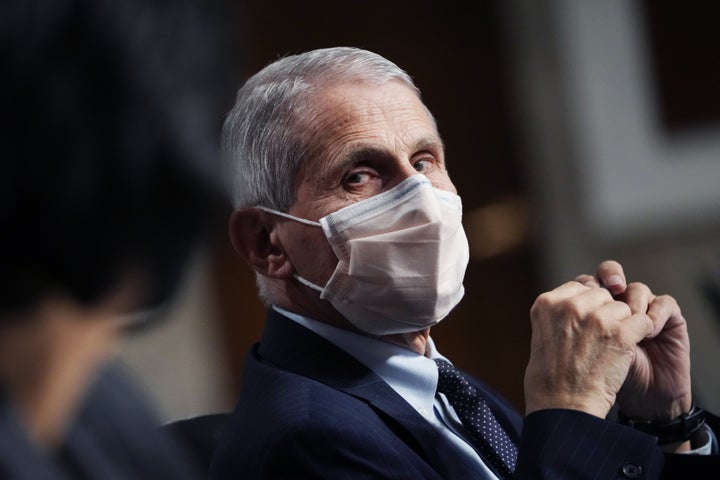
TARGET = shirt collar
(413,376)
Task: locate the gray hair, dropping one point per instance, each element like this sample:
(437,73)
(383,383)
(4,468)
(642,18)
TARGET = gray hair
(265,139)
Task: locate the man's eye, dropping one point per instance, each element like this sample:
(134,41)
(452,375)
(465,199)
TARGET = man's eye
(357,177)
(422,164)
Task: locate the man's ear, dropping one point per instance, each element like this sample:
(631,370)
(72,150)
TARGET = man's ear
(251,234)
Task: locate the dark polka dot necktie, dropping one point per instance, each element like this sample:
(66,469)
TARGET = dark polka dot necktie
(475,415)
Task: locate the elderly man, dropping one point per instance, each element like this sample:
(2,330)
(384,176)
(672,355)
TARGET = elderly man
(346,211)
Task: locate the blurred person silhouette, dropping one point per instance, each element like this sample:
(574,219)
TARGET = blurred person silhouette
(111,113)
(345,209)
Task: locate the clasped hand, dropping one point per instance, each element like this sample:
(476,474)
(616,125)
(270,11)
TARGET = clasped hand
(597,341)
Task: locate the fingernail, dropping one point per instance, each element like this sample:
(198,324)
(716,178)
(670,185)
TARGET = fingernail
(613,280)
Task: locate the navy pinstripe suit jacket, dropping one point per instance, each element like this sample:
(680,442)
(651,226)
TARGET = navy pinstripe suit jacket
(309,410)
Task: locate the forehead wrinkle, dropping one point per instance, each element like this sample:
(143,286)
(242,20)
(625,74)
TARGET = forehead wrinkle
(345,129)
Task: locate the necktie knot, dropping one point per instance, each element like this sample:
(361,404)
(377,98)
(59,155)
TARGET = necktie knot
(452,382)
(477,418)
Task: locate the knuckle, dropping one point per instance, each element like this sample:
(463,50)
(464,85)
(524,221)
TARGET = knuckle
(571,309)
(605,294)
(541,305)
(623,308)
(638,288)
(542,301)
(666,300)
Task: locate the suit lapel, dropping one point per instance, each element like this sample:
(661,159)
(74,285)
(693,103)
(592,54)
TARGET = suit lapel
(298,349)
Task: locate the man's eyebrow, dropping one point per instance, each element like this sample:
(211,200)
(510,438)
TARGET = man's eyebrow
(430,143)
(363,152)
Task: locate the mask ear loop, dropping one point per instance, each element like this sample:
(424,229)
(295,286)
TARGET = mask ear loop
(297,277)
(307,283)
(287,215)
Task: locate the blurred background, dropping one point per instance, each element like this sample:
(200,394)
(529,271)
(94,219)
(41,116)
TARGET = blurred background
(575,132)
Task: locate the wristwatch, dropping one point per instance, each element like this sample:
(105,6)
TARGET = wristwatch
(679,429)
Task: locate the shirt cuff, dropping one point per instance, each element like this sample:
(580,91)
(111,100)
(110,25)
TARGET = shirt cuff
(702,442)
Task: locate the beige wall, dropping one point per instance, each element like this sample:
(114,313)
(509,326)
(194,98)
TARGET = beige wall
(179,359)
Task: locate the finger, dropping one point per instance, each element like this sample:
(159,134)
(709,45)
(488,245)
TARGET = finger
(610,274)
(576,303)
(546,302)
(633,327)
(597,302)
(638,327)
(665,313)
(568,301)
(567,289)
(610,312)
(638,296)
(587,280)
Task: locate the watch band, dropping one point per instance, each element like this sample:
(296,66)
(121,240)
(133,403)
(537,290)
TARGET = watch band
(679,429)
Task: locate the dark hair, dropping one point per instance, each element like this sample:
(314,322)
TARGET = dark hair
(111,112)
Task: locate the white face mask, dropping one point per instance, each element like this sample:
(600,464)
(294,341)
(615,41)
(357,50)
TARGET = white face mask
(402,258)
